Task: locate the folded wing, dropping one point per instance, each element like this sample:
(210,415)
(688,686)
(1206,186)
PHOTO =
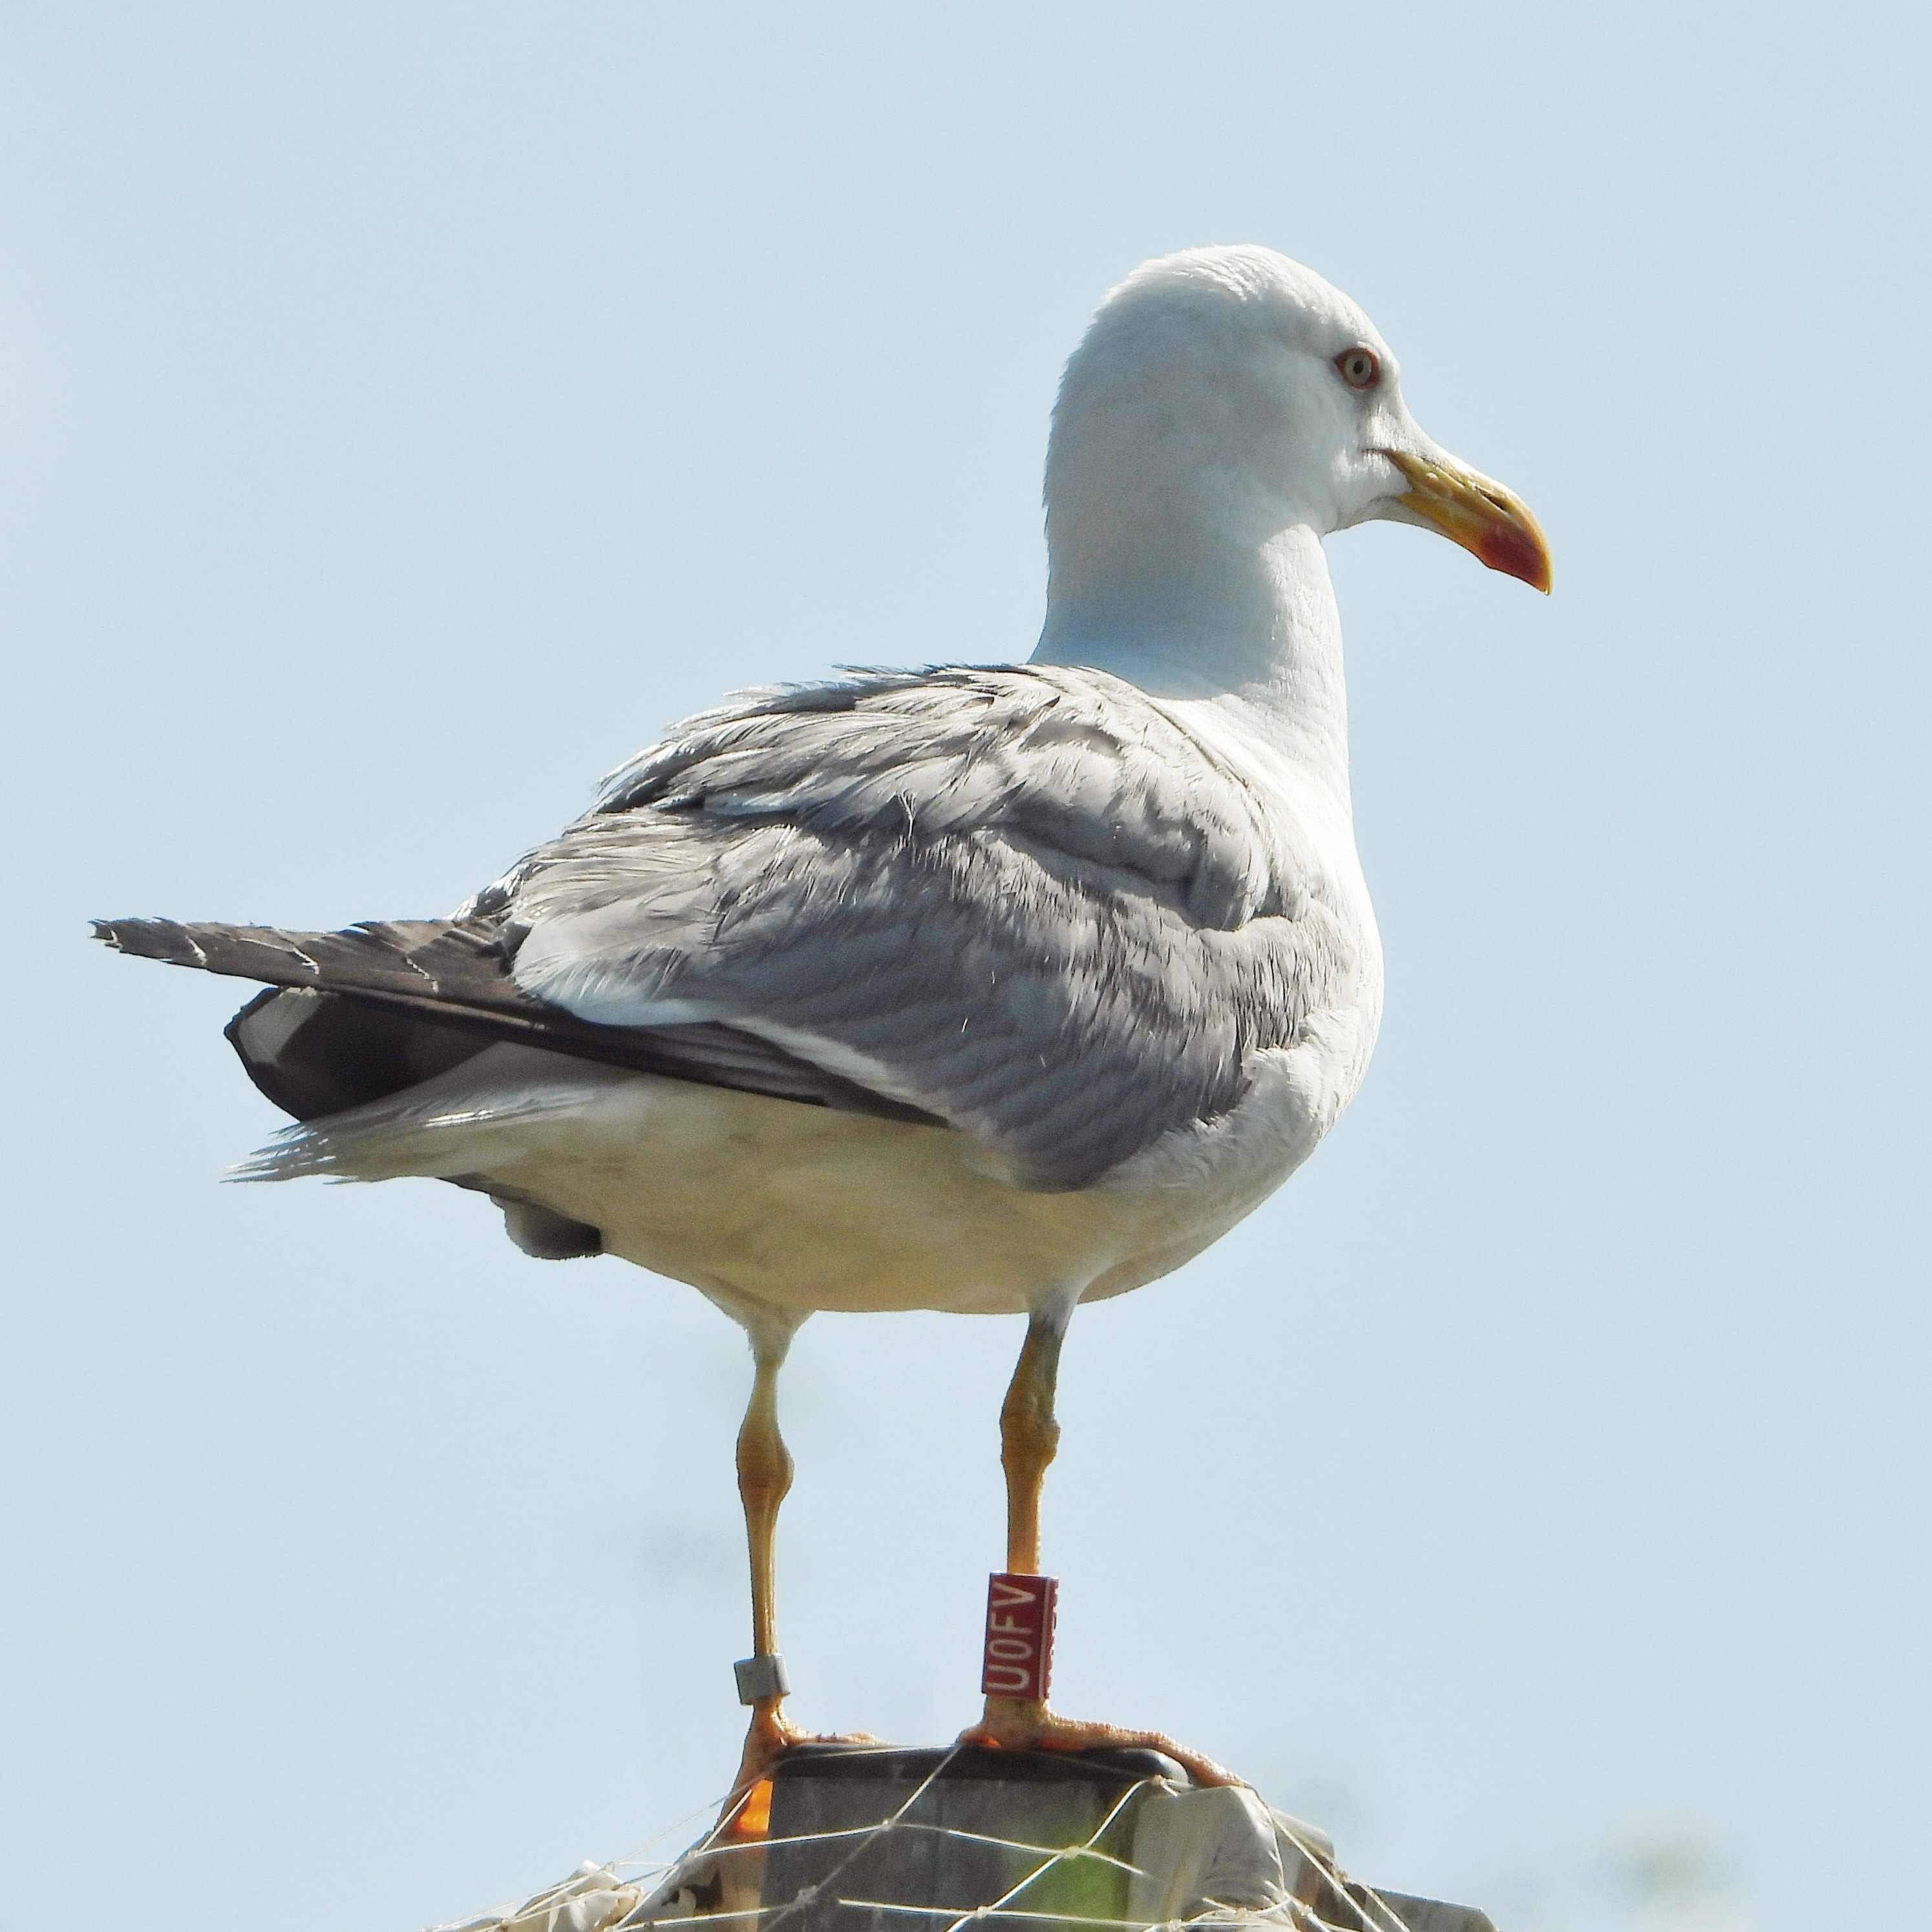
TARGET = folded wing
(1032,904)
(1028,901)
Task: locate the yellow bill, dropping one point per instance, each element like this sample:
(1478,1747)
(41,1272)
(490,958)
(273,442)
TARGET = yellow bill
(1493,523)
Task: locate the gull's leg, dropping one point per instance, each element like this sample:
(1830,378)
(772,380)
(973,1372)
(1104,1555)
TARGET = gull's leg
(1029,1436)
(764,1479)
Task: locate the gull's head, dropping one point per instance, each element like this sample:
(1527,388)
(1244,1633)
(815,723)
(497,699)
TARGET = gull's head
(1223,395)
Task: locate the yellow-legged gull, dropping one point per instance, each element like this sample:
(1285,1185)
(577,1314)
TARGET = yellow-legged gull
(992,989)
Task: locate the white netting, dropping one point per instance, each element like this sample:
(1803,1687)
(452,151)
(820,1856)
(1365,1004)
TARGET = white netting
(915,1852)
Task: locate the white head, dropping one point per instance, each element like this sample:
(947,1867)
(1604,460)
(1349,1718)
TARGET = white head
(1222,401)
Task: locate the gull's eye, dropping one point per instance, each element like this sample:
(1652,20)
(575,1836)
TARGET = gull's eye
(1359,368)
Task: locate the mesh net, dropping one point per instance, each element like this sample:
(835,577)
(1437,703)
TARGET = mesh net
(843,1840)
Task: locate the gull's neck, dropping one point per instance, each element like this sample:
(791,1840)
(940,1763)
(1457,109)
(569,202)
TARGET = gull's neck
(1252,627)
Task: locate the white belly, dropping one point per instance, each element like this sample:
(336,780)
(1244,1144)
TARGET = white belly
(807,1209)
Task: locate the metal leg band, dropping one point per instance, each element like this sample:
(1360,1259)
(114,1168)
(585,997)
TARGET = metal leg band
(760,1677)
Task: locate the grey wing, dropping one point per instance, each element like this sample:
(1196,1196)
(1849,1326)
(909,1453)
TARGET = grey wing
(1024,901)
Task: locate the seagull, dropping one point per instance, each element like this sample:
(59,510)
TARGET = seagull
(993,989)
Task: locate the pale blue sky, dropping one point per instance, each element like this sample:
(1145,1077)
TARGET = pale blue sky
(406,410)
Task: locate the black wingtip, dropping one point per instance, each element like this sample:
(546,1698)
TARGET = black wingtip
(164,939)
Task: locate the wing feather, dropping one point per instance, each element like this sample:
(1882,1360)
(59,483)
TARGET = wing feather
(1029,900)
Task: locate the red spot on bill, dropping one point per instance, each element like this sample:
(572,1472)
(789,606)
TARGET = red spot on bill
(1516,552)
(1018,1660)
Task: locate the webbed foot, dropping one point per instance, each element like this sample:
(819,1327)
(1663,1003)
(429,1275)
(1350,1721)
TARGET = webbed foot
(1009,1724)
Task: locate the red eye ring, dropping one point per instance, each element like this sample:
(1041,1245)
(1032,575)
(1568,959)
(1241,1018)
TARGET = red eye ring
(1360,368)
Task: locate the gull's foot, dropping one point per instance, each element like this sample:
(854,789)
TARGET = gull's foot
(771,1734)
(729,1885)
(1012,1725)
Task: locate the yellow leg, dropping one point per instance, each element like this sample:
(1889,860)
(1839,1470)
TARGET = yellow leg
(1029,1439)
(764,1479)
(1029,1436)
